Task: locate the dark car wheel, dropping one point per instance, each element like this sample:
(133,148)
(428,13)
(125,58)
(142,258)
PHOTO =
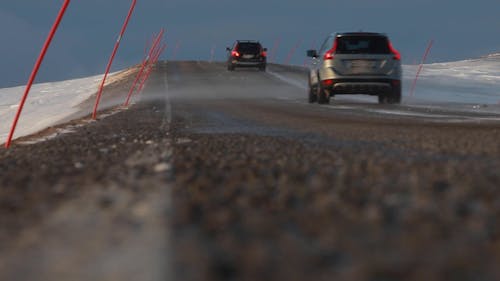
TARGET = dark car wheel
(382,98)
(323,95)
(312,97)
(395,96)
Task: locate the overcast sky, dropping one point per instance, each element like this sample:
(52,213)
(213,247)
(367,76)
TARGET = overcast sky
(461,29)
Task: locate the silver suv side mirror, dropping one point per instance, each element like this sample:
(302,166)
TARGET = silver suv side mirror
(312,53)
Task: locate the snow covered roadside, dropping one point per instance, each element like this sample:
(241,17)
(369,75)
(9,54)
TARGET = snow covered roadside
(48,103)
(475,81)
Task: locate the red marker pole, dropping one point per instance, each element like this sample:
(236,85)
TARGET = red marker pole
(163,48)
(272,57)
(158,53)
(145,60)
(151,66)
(148,67)
(212,53)
(292,52)
(35,70)
(144,65)
(141,71)
(420,67)
(148,45)
(176,50)
(113,54)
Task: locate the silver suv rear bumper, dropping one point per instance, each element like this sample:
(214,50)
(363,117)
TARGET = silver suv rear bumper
(366,88)
(362,86)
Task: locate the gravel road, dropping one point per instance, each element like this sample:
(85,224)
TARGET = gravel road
(233,176)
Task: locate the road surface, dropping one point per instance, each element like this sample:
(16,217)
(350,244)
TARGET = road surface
(217,175)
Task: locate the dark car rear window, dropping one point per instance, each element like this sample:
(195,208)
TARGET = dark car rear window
(252,48)
(363,45)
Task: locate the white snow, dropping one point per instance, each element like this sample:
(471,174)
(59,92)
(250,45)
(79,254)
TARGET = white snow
(474,81)
(47,104)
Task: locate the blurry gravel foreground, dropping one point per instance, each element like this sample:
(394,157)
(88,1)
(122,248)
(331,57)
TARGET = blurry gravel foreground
(252,207)
(170,203)
(91,204)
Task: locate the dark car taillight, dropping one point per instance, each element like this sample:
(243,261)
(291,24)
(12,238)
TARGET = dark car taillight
(235,54)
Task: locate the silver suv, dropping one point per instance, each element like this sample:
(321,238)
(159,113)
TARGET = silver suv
(355,63)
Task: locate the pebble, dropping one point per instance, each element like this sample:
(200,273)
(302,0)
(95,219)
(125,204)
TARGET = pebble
(162,167)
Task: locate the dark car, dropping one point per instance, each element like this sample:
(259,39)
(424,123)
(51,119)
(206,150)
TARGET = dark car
(245,53)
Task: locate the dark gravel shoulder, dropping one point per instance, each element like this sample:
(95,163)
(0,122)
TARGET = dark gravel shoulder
(119,150)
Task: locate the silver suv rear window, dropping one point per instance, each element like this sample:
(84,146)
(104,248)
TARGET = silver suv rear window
(363,45)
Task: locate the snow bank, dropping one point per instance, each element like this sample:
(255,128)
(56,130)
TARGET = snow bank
(47,103)
(468,81)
